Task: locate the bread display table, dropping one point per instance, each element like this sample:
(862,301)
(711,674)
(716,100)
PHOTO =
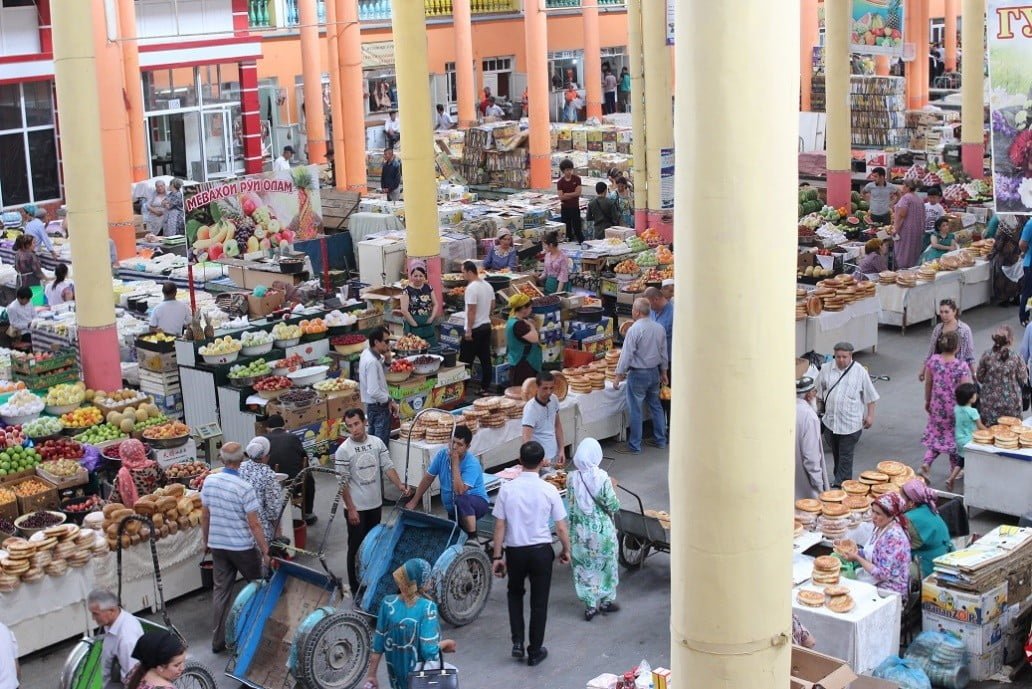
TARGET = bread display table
(600,414)
(976,285)
(53,609)
(903,306)
(856,323)
(862,637)
(997,480)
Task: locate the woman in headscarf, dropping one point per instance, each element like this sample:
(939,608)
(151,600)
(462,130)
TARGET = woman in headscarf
(929,536)
(593,543)
(908,223)
(407,629)
(1005,257)
(502,255)
(886,557)
(259,474)
(1001,373)
(162,659)
(138,476)
(522,341)
(154,209)
(420,305)
(175,217)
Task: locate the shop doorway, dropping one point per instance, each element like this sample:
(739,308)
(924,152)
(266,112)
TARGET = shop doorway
(171,154)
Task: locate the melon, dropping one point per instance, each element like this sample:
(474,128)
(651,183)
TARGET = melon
(129,411)
(114,418)
(141,414)
(127,425)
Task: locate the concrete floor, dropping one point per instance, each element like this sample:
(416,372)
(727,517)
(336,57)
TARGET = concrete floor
(580,650)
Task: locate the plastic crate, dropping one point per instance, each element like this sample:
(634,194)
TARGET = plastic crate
(29,366)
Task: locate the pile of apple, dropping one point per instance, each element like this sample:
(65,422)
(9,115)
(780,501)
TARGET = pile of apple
(60,448)
(283,331)
(273,383)
(256,338)
(42,427)
(66,393)
(401,366)
(291,363)
(256,368)
(82,417)
(167,431)
(186,469)
(100,433)
(61,468)
(12,436)
(221,346)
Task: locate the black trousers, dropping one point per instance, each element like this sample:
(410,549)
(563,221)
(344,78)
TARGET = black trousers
(842,448)
(479,347)
(532,562)
(574,225)
(308,493)
(367,519)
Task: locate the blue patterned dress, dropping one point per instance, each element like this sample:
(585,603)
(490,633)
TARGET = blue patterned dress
(406,635)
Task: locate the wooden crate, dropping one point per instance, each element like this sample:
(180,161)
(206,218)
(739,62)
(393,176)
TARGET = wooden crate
(336,207)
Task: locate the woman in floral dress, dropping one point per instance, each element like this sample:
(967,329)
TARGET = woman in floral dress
(1001,373)
(259,474)
(592,532)
(886,557)
(943,373)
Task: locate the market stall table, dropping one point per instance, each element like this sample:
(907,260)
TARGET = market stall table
(976,285)
(862,637)
(856,323)
(997,480)
(903,306)
(801,327)
(600,414)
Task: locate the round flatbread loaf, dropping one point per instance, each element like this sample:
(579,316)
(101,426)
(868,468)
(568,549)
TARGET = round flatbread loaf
(834,509)
(840,604)
(811,598)
(891,467)
(833,496)
(827,563)
(833,591)
(808,505)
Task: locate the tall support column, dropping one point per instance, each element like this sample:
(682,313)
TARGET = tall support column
(353,100)
(133,89)
(738,632)
(462,19)
(808,39)
(972,137)
(882,65)
(336,106)
(950,31)
(536,37)
(315,115)
(417,155)
(639,155)
(913,68)
(836,83)
(114,135)
(251,117)
(923,50)
(76,72)
(592,58)
(659,119)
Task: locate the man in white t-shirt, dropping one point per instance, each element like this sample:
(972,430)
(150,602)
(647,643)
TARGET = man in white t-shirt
(392,129)
(282,164)
(541,420)
(9,670)
(360,460)
(476,342)
(170,316)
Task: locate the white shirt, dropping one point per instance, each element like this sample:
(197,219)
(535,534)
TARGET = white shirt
(281,164)
(372,381)
(8,659)
(444,121)
(361,465)
(482,295)
(54,292)
(390,125)
(20,316)
(119,641)
(541,418)
(494,111)
(528,505)
(846,406)
(171,316)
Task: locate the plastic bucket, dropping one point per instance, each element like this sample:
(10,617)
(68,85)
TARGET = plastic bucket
(207,575)
(300,534)
(39,298)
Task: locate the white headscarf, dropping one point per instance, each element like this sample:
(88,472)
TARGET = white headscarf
(590,478)
(257,448)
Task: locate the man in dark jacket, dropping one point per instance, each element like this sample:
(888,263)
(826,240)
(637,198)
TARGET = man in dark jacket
(390,175)
(288,456)
(602,211)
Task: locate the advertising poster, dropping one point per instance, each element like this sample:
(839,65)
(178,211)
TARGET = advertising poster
(247,216)
(877,27)
(1009,33)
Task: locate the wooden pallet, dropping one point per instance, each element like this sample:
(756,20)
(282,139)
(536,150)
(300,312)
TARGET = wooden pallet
(336,207)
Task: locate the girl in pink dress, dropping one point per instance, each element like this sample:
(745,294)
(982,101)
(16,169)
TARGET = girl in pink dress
(908,221)
(943,373)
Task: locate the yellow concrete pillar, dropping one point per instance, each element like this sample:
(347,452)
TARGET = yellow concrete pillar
(463,22)
(76,75)
(808,38)
(837,21)
(133,89)
(639,166)
(659,120)
(536,37)
(972,137)
(315,114)
(592,58)
(336,106)
(730,610)
(950,31)
(350,58)
(418,167)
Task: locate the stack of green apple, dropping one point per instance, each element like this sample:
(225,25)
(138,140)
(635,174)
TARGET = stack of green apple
(15,459)
(100,433)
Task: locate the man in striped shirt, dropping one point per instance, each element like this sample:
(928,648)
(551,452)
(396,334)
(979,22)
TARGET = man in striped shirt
(848,398)
(232,533)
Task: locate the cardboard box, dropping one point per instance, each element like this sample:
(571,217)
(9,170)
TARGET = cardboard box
(598,345)
(336,405)
(963,606)
(1019,585)
(298,418)
(176,455)
(455,374)
(984,666)
(156,362)
(447,395)
(811,669)
(499,374)
(578,330)
(661,678)
(257,307)
(452,333)
(978,638)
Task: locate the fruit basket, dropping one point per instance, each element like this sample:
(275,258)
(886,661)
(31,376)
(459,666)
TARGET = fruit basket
(80,476)
(227,358)
(19,420)
(347,345)
(76,509)
(257,350)
(58,409)
(425,364)
(33,522)
(169,435)
(396,377)
(271,387)
(308,376)
(75,430)
(290,342)
(243,382)
(298,399)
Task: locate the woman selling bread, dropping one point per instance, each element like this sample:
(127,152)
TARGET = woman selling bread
(886,557)
(138,476)
(929,536)
(522,341)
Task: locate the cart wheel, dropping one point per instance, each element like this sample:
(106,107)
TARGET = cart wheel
(465,586)
(240,607)
(82,667)
(196,676)
(334,653)
(633,551)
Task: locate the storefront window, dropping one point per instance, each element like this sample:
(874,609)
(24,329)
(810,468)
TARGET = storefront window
(170,89)
(220,84)
(27,146)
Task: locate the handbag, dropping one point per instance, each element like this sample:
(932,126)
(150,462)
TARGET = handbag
(439,678)
(822,403)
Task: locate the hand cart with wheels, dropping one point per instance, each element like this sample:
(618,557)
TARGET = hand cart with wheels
(638,534)
(83,668)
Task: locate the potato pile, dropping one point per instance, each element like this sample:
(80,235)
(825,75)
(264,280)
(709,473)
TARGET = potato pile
(168,508)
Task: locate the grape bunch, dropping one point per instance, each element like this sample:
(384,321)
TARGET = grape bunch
(244,230)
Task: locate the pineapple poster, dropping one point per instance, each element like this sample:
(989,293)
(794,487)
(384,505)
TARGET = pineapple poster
(878,27)
(250,215)
(1009,34)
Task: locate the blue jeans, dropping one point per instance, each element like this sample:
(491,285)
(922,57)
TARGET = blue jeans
(642,389)
(378,417)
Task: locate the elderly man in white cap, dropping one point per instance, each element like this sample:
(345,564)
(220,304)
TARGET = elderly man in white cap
(232,530)
(267,488)
(668,288)
(811,471)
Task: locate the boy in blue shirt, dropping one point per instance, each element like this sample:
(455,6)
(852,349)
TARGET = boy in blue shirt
(966,420)
(462,482)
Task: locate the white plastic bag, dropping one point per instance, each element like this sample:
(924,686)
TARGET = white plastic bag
(643,680)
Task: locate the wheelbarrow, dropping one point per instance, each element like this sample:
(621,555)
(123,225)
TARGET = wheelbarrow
(638,534)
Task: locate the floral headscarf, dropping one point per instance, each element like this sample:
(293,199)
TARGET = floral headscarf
(134,458)
(894,506)
(919,493)
(411,578)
